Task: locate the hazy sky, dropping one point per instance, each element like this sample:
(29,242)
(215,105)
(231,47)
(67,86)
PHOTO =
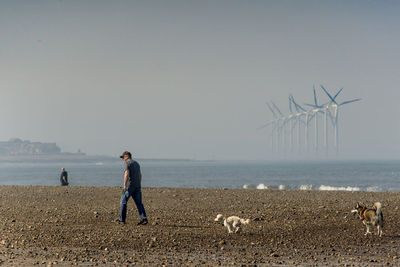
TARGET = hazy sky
(190,78)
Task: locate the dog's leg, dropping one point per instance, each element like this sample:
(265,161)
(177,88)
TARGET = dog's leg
(379,230)
(229,228)
(368,232)
(236,226)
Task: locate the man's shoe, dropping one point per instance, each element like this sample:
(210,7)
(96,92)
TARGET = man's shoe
(119,221)
(143,222)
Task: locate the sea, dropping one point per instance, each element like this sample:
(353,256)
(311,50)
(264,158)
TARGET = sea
(349,175)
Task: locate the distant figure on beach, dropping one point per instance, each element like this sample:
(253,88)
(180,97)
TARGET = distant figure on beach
(132,187)
(64,177)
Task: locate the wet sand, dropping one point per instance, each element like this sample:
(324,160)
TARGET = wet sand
(76,226)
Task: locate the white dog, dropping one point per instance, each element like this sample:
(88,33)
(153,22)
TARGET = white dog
(233,223)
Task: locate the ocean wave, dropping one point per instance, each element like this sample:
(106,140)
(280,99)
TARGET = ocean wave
(305,187)
(262,186)
(253,186)
(338,188)
(374,189)
(250,186)
(283,187)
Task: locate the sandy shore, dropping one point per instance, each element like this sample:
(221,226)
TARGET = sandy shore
(76,226)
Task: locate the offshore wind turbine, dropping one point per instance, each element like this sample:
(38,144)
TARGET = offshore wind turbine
(290,118)
(281,123)
(275,125)
(281,127)
(300,112)
(314,113)
(335,107)
(327,112)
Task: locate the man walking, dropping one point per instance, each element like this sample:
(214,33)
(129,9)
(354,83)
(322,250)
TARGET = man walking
(132,187)
(64,177)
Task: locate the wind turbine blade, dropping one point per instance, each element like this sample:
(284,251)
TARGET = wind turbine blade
(290,105)
(331,116)
(337,93)
(277,109)
(294,103)
(285,122)
(350,101)
(263,126)
(311,105)
(315,97)
(311,117)
(270,108)
(326,92)
(298,107)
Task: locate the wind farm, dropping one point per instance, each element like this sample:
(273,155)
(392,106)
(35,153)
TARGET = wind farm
(308,129)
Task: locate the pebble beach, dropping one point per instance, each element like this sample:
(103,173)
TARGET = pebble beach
(65,226)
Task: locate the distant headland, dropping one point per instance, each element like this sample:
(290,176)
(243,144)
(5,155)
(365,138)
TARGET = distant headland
(18,148)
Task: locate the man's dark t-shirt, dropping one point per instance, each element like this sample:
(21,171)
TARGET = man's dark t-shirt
(64,174)
(134,174)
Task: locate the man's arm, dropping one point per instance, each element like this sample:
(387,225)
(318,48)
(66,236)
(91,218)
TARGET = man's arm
(63,178)
(126,177)
(140,177)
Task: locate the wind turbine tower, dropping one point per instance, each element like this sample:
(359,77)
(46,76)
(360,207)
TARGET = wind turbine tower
(314,114)
(282,127)
(335,107)
(275,129)
(300,112)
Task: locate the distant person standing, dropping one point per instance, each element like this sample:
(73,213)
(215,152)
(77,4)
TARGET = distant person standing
(132,187)
(64,177)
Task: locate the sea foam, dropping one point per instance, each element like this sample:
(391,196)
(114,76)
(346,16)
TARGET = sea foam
(374,189)
(249,186)
(338,188)
(262,186)
(306,187)
(253,186)
(283,187)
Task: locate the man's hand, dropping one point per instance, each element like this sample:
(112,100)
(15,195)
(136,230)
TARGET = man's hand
(126,177)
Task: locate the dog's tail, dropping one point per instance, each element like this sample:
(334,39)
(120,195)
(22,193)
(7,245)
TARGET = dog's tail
(219,218)
(243,221)
(378,207)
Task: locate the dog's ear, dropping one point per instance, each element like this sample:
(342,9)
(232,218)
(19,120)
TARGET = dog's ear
(358,205)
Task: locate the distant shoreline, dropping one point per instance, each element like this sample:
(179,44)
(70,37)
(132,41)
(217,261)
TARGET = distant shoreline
(67,156)
(75,157)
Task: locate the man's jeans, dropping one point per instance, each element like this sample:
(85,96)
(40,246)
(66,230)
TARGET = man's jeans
(136,194)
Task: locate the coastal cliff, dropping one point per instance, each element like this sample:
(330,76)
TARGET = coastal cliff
(16,146)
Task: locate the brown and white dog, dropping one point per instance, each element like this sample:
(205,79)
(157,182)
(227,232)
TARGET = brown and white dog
(370,216)
(233,223)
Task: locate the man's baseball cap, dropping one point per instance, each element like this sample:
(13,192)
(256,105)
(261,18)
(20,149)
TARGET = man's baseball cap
(126,153)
